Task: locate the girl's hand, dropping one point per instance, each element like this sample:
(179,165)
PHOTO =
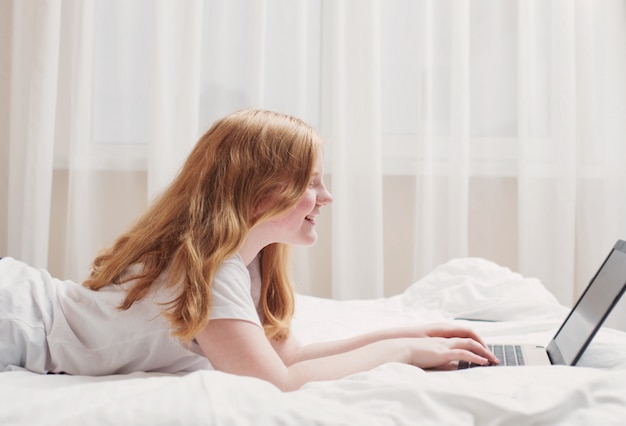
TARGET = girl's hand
(432,352)
(455,334)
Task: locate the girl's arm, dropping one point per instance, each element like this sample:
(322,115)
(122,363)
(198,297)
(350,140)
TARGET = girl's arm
(240,347)
(291,351)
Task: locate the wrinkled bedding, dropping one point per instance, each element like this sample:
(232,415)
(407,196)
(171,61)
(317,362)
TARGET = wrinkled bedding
(501,305)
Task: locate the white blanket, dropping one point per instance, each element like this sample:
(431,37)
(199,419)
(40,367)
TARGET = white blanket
(394,394)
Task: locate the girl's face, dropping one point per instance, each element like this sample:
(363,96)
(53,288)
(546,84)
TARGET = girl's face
(298,226)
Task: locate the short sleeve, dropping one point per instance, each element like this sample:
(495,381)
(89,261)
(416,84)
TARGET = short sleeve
(231,293)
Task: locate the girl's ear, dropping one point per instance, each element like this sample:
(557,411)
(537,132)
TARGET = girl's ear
(261,208)
(265,204)
(269,201)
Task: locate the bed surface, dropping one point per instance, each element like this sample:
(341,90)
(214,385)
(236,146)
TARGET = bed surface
(594,392)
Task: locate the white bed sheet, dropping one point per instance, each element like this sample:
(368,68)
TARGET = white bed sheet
(394,394)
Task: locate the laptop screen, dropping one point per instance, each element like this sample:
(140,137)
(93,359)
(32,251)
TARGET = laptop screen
(592,308)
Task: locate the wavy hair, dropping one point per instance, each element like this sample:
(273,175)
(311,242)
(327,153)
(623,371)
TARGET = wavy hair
(204,216)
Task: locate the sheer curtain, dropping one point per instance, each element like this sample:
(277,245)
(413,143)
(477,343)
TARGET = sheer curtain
(453,128)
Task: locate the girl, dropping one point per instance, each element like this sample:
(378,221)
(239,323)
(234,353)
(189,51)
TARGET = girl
(200,280)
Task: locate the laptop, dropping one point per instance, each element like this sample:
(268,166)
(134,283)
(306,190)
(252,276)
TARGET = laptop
(582,323)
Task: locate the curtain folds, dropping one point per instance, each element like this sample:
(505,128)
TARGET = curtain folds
(453,128)
(33,93)
(174,90)
(355,150)
(75,100)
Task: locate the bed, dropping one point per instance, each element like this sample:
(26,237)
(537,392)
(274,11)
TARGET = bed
(594,392)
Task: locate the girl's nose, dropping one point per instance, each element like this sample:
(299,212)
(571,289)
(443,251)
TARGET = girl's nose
(324,198)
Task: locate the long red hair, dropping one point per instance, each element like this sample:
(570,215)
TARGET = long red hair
(204,216)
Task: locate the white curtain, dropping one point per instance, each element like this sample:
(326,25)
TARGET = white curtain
(34,63)
(453,128)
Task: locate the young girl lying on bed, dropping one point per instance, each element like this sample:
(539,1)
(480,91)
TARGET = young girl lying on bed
(200,280)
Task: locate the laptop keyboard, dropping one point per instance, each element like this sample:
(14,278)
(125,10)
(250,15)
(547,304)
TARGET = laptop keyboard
(509,355)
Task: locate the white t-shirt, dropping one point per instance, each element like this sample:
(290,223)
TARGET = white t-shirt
(61,326)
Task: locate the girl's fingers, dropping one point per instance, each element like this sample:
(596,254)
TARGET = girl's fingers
(453,331)
(475,348)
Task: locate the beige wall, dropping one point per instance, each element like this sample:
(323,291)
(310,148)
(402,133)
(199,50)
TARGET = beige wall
(492,217)
(492,222)
(117,198)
